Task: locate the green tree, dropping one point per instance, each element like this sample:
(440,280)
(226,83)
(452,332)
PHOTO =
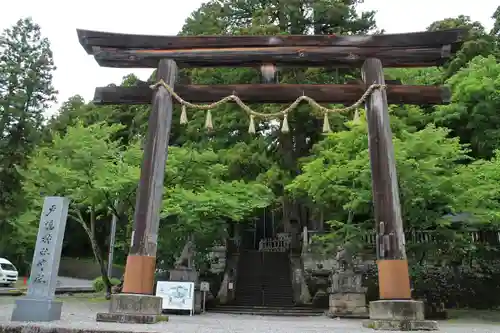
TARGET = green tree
(477,41)
(479,190)
(72,111)
(270,156)
(134,118)
(495,31)
(88,165)
(473,112)
(293,17)
(26,90)
(89,168)
(337,178)
(200,201)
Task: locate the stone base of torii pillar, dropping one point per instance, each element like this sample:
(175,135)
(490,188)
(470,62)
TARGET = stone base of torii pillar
(399,315)
(133,309)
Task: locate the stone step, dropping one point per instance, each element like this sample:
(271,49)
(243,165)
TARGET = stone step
(260,295)
(265,284)
(278,293)
(281,291)
(266,300)
(269,310)
(268,293)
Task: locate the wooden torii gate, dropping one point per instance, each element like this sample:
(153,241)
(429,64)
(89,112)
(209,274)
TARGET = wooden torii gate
(370,53)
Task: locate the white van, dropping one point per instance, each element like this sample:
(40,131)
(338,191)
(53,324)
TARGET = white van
(8,273)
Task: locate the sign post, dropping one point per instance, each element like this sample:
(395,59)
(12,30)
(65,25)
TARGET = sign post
(176,295)
(204,287)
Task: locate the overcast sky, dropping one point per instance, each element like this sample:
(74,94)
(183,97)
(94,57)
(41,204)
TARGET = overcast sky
(77,73)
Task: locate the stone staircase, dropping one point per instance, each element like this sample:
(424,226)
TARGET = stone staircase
(276,279)
(249,291)
(264,286)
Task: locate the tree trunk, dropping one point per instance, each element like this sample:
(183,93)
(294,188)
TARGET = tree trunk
(95,247)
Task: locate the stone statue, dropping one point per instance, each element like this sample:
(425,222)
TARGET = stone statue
(184,269)
(185,259)
(344,259)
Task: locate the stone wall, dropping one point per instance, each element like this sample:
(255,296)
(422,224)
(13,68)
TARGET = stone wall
(87,269)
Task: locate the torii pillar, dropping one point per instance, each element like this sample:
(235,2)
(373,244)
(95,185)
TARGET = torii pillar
(137,303)
(395,310)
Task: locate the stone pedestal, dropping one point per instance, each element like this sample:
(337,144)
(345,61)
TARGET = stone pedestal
(348,305)
(347,295)
(399,315)
(33,309)
(133,309)
(184,274)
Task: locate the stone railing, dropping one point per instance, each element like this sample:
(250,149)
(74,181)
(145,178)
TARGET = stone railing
(421,237)
(434,237)
(280,244)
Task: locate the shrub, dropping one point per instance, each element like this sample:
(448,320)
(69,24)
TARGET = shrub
(99,285)
(456,286)
(460,286)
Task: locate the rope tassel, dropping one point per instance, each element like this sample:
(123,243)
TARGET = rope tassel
(284,125)
(326,124)
(208,121)
(251,127)
(356,115)
(184,118)
(275,115)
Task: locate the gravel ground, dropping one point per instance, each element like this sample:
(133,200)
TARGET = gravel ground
(80,314)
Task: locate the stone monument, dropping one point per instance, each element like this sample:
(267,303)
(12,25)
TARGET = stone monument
(39,303)
(347,295)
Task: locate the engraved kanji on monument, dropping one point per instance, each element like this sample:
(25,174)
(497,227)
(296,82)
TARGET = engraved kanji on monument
(39,304)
